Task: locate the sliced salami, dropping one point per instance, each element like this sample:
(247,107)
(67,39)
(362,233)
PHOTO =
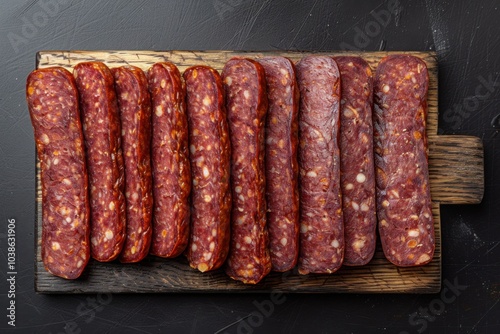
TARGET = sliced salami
(101,130)
(210,154)
(246,103)
(282,190)
(404,207)
(321,221)
(170,161)
(357,173)
(53,105)
(135,115)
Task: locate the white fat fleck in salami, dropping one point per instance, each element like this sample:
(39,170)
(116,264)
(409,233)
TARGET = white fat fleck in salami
(322,229)
(357,173)
(404,207)
(249,260)
(52,99)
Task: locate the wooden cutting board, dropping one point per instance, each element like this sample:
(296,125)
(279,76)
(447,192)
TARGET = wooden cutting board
(456,177)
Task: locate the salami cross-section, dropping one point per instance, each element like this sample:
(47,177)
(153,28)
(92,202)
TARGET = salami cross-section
(170,161)
(246,101)
(135,115)
(321,221)
(281,162)
(357,173)
(210,154)
(101,129)
(53,104)
(403,196)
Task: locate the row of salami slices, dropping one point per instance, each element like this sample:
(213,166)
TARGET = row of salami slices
(264,167)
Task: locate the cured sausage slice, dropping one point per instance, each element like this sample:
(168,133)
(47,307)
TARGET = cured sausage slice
(170,161)
(404,207)
(101,130)
(210,154)
(135,115)
(357,173)
(53,105)
(321,221)
(246,103)
(281,162)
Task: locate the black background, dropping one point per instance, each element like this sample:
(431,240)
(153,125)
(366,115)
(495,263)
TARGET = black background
(465,35)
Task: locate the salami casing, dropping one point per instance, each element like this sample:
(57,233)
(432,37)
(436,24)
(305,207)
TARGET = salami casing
(282,189)
(170,161)
(403,196)
(357,173)
(101,130)
(210,154)
(135,115)
(53,105)
(321,221)
(246,103)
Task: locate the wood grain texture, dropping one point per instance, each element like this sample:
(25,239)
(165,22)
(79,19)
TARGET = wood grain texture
(456,177)
(456,169)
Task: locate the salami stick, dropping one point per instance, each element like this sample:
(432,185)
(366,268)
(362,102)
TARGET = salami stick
(53,105)
(357,173)
(170,161)
(281,162)
(246,101)
(321,222)
(101,129)
(135,115)
(210,154)
(404,207)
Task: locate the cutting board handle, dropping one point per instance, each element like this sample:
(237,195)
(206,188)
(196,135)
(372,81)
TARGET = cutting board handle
(456,169)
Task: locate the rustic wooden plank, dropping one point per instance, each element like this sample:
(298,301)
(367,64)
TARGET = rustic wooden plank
(456,176)
(456,169)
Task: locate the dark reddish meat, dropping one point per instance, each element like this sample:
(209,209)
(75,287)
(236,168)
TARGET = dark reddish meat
(210,154)
(101,129)
(404,205)
(357,173)
(246,103)
(170,161)
(53,105)
(281,162)
(135,115)
(321,222)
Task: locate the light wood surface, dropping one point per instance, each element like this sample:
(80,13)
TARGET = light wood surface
(456,177)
